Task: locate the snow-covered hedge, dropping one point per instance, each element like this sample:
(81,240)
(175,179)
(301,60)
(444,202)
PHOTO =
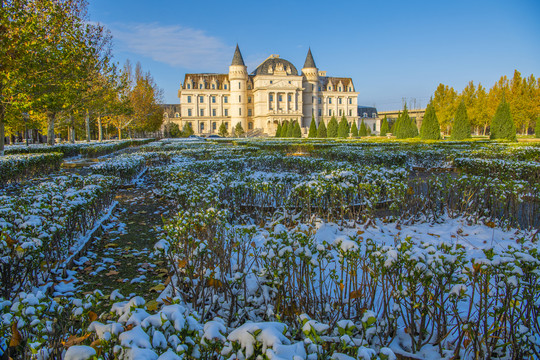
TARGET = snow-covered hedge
(39,225)
(93,149)
(505,169)
(21,167)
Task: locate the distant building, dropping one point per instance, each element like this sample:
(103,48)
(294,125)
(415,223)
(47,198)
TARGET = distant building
(368,114)
(416,114)
(274,92)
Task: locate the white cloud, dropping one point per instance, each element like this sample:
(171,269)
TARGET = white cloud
(173,45)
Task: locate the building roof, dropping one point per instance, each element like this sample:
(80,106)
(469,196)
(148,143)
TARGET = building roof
(324,80)
(206,79)
(309,63)
(237,58)
(275,63)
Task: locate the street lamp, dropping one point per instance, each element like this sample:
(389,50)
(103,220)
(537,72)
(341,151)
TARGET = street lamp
(25,118)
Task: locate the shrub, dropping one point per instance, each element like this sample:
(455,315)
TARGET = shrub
(502,125)
(238,130)
(278,130)
(223,130)
(312,128)
(15,168)
(462,127)
(430,129)
(321,131)
(384,126)
(333,128)
(343,128)
(290,129)
(284,129)
(297,132)
(354,129)
(363,129)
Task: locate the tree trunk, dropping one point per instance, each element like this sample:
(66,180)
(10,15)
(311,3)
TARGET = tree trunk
(119,133)
(87,122)
(50,127)
(100,129)
(2,135)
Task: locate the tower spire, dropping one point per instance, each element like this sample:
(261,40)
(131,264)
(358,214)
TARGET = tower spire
(309,63)
(237,58)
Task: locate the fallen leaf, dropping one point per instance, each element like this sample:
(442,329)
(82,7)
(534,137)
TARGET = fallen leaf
(92,316)
(111,245)
(112,272)
(152,305)
(16,337)
(157,288)
(75,340)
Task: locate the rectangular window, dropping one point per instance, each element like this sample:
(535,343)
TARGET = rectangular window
(214,125)
(350,112)
(249,99)
(202,112)
(320,100)
(320,89)
(240,112)
(271,97)
(289,98)
(340,112)
(329,100)
(320,112)
(226,112)
(200,86)
(329,112)
(202,126)
(213,112)
(188,112)
(239,85)
(339,88)
(339,101)
(350,100)
(239,98)
(249,112)
(280,98)
(225,99)
(213,86)
(225,86)
(226,126)
(201,99)
(213,99)
(188,86)
(189,99)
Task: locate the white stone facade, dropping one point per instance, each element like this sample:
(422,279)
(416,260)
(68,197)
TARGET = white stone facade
(271,94)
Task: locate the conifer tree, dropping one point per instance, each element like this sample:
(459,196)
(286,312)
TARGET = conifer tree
(223,130)
(502,125)
(238,130)
(312,128)
(537,128)
(430,129)
(333,128)
(187,130)
(284,129)
(354,130)
(384,126)
(368,128)
(343,128)
(290,129)
(405,127)
(461,128)
(278,130)
(363,130)
(397,125)
(297,131)
(321,130)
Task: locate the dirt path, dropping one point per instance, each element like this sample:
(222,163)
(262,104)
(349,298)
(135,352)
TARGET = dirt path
(122,257)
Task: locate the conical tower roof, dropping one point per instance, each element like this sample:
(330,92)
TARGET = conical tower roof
(310,63)
(237,58)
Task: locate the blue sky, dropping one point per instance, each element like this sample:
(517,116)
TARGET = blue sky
(391,49)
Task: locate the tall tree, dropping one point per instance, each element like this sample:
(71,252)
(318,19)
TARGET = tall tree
(343,128)
(312,128)
(363,129)
(462,128)
(290,129)
(238,130)
(145,98)
(502,124)
(284,128)
(321,130)
(223,130)
(537,128)
(297,131)
(430,129)
(333,127)
(278,130)
(445,103)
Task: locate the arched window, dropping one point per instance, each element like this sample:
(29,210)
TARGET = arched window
(177,115)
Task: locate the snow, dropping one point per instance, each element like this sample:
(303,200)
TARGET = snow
(136,337)
(79,352)
(268,333)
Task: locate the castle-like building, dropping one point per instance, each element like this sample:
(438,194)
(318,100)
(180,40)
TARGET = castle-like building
(272,93)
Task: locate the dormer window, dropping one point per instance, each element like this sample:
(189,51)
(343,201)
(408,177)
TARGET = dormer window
(350,89)
(200,86)
(225,86)
(214,86)
(339,88)
(189,86)
(329,88)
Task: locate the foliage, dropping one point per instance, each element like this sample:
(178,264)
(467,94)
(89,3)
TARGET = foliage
(537,128)
(312,128)
(296,131)
(278,130)
(354,129)
(284,128)
(332,131)
(321,130)
(461,128)
(238,130)
(15,168)
(502,125)
(384,127)
(363,129)
(187,129)
(430,129)
(223,130)
(343,128)
(405,127)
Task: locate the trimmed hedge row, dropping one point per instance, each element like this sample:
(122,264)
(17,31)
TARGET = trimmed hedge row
(14,168)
